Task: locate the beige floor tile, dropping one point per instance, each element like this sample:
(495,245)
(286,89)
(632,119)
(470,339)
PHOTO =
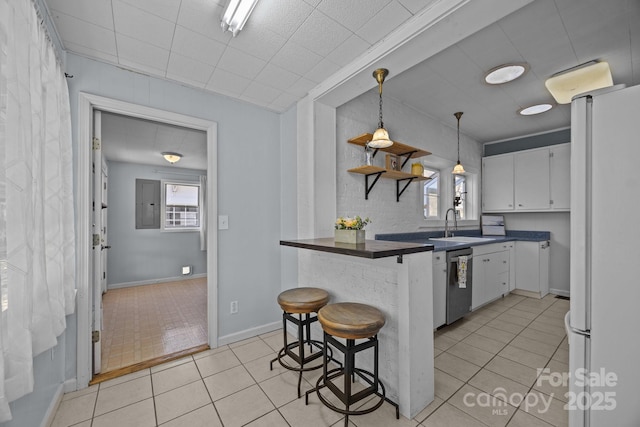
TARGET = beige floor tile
(384,416)
(124,394)
(499,386)
(541,336)
(74,394)
(73,411)
(481,406)
(180,401)
(272,419)
(516,320)
(252,351)
(284,388)
(210,352)
(125,378)
(244,342)
(561,355)
(533,346)
(228,382)
(455,366)
(217,363)
(445,384)
(512,370)
(83,424)
(174,377)
(547,328)
(523,314)
(503,325)
(448,415)
(471,354)
(524,357)
(274,341)
(547,409)
(201,417)
(315,414)
(456,334)
(469,325)
(431,407)
(522,419)
(171,364)
(484,343)
(139,414)
(243,407)
(495,334)
(442,343)
(259,368)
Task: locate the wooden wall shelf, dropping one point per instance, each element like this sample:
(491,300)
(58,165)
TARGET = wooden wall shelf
(398,149)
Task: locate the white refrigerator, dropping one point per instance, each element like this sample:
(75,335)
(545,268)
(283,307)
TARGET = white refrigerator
(603,323)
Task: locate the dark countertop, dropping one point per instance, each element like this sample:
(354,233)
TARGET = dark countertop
(369,249)
(424,237)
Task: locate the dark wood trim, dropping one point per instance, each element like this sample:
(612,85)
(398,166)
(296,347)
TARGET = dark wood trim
(147,364)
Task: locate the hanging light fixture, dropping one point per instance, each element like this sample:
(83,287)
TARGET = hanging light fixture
(171,157)
(380,136)
(458,169)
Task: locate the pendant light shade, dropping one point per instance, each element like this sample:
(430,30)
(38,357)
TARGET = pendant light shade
(458,169)
(380,136)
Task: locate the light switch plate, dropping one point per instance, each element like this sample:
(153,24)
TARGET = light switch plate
(223,222)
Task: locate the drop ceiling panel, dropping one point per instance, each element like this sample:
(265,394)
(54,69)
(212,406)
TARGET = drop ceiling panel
(283,17)
(196,46)
(243,64)
(296,58)
(95,12)
(260,93)
(414,6)
(203,16)
(352,14)
(385,21)
(227,83)
(277,77)
(344,53)
(138,24)
(166,9)
(149,56)
(188,70)
(86,34)
(259,42)
(320,34)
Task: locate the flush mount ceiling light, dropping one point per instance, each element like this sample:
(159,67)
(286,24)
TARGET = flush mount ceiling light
(458,169)
(535,109)
(236,14)
(505,73)
(574,81)
(380,136)
(171,157)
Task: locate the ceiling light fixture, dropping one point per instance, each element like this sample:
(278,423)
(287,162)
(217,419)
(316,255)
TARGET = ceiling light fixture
(505,73)
(580,79)
(535,109)
(458,169)
(236,14)
(171,157)
(380,136)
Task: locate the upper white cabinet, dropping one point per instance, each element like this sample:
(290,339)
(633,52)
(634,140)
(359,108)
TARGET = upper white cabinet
(527,181)
(497,183)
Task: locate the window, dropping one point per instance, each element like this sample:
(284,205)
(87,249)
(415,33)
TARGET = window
(180,206)
(460,196)
(431,194)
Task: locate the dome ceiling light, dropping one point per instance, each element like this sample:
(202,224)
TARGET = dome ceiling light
(506,73)
(535,109)
(171,157)
(589,76)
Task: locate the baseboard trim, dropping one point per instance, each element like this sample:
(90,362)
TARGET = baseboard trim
(53,407)
(249,333)
(560,292)
(70,385)
(154,281)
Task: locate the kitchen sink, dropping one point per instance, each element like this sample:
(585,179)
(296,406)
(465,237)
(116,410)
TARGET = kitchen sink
(463,239)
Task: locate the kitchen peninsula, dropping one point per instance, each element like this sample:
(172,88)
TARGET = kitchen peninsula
(395,277)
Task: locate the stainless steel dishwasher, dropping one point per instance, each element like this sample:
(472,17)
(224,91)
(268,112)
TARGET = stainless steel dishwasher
(458,291)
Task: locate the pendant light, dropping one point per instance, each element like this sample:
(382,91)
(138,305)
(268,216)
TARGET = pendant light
(380,136)
(458,169)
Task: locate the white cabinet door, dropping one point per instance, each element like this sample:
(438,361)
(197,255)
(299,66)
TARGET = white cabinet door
(532,267)
(532,180)
(560,176)
(439,289)
(544,268)
(497,183)
(478,286)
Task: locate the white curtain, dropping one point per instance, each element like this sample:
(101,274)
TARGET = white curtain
(203,212)
(37,252)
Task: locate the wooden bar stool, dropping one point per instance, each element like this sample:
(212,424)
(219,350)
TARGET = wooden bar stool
(351,321)
(301,302)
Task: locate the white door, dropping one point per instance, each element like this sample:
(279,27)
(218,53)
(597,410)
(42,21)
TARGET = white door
(105,241)
(96,285)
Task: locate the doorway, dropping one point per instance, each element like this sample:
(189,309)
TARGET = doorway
(87,292)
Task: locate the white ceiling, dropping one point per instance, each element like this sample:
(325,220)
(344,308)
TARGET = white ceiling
(289,47)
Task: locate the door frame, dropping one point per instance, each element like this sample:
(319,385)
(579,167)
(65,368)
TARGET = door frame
(87,103)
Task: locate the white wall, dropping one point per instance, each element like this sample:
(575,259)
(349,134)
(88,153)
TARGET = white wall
(146,255)
(407,126)
(558,224)
(248,185)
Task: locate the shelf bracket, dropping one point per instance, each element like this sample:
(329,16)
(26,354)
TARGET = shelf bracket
(409,154)
(367,187)
(398,191)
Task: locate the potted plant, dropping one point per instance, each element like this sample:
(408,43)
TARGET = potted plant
(350,230)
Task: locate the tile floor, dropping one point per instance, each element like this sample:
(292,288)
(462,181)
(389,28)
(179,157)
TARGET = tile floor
(144,322)
(485,376)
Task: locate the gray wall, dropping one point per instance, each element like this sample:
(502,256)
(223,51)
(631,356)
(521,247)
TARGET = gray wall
(149,254)
(407,126)
(248,185)
(288,197)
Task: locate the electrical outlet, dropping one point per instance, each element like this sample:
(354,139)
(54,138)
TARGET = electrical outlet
(223,222)
(234,307)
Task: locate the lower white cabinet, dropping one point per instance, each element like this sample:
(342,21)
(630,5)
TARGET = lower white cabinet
(439,289)
(532,268)
(490,273)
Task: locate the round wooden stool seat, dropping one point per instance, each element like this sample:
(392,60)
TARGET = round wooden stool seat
(303,300)
(351,320)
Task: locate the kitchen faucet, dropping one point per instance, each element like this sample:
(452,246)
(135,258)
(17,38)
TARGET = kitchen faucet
(446,221)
